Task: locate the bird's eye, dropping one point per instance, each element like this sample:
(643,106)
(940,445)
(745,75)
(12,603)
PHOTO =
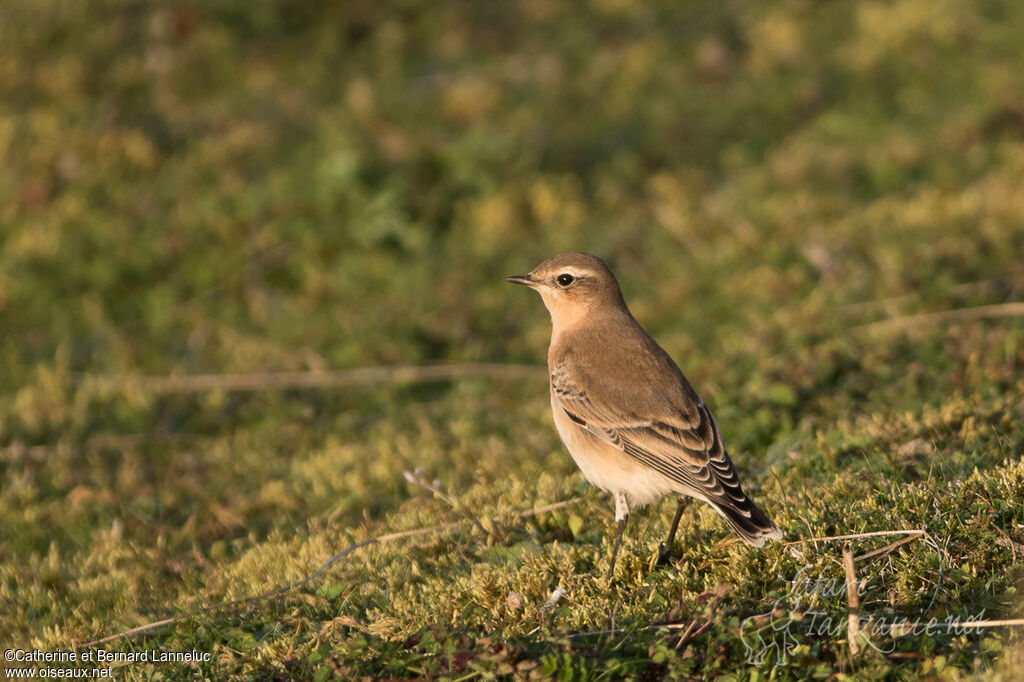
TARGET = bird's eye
(565,279)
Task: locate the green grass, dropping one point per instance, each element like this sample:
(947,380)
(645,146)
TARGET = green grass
(232,187)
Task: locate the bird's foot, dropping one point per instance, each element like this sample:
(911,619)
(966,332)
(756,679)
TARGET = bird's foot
(664,554)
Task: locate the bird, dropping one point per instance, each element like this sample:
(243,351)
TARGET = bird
(629,418)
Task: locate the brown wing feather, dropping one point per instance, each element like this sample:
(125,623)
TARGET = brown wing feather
(679,439)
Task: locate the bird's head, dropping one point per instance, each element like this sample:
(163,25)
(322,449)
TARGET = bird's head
(573,286)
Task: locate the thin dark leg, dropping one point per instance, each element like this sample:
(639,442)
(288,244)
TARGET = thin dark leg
(615,550)
(665,549)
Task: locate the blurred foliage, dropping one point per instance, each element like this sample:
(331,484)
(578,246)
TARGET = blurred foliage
(237,187)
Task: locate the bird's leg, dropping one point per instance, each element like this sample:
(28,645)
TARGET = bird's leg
(621,516)
(665,549)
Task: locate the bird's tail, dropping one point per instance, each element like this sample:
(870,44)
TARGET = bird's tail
(749,522)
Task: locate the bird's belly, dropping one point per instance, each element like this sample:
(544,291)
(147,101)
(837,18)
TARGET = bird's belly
(609,468)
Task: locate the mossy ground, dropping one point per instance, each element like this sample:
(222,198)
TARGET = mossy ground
(249,187)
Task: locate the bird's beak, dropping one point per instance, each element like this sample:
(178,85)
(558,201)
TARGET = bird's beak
(521,279)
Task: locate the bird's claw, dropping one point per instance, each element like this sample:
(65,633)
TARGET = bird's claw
(664,554)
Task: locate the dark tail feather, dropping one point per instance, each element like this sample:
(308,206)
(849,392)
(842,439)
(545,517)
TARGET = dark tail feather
(749,522)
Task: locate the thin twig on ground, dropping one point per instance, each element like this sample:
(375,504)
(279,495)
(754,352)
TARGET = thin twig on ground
(690,634)
(261,381)
(555,597)
(958,291)
(852,602)
(858,536)
(956,314)
(666,626)
(888,548)
(435,488)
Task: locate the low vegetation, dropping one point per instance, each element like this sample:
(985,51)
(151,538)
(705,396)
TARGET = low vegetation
(816,208)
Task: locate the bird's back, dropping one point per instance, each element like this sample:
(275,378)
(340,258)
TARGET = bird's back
(624,366)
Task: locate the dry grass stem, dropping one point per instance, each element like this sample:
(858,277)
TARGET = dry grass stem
(888,548)
(852,602)
(691,632)
(555,597)
(858,536)
(263,381)
(435,488)
(957,291)
(957,314)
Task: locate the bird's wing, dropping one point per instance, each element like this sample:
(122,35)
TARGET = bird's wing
(674,433)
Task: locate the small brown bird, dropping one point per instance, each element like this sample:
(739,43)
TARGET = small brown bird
(627,415)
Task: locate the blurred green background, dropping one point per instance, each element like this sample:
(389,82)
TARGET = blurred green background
(241,187)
